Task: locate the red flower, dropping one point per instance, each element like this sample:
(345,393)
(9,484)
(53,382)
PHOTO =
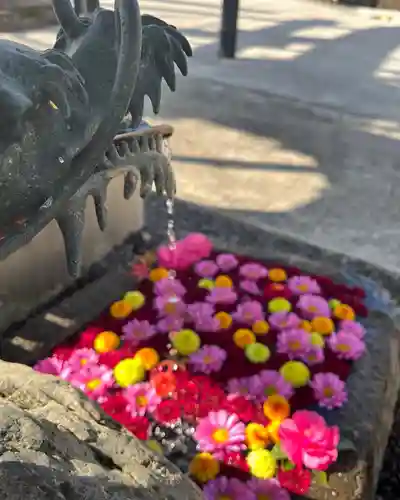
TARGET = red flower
(139,426)
(213,399)
(112,358)
(87,337)
(186,387)
(297,480)
(167,411)
(273,290)
(114,404)
(236,460)
(243,408)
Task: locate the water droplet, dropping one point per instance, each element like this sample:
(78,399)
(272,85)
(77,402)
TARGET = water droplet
(61,159)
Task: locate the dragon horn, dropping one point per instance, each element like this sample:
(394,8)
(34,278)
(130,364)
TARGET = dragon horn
(67,18)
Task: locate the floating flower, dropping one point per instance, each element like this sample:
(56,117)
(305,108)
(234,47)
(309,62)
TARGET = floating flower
(314,356)
(186,252)
(322,325)
(273,430)
(297,481)
(94,381)
(224,319)
(276,407)
(50,366)
(220,431)
(249,312)
(106,342)
(136,331)
(226,262)
(205,283)
(250,286)
(170,324)
(271,382)
(208,359)
(295,373)
(262,464)
(260,327)
(353,327)
(306,325)
(121,309)
(329,390)
(223,488)
(257,436)
(206,268)
(346,345)
(308,441)
(276,290)
(279,304)
(333,303)
(223,281)
(168,411)
(158,274)
(343,311)
(246,386)
(300,285)
(295,343)
(313,305)
(80,358)
(222,295)
(243,337)
(134,299)
(148,357)
(257,353)
(168,287)
(204,467)
(170,305)
(267,489)
(277,275)
(284,320)
(141,398)
(317,340)
(253,271)
(202,315)
(128,372)
(138,426)
(163,383)
(186,342)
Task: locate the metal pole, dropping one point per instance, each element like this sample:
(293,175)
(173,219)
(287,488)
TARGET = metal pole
(228,36)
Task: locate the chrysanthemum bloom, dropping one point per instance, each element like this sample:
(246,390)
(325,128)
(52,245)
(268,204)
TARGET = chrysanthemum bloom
(249,312)
(224,320)
(262,464)
(257,353)
(82,357)
(267,489)
(170,305)
(223,488)
(257,436)
(276,407)
(353,327)
(253,271)
(169,288)
(141,398)
(136,331)
(249,387)
(222,295)
(158,274)
(279,304)
(329,390)
(202,315)
(170,324)
(271,382)
(206,268)
(314,356)
(295,343)
(50,366)
(344,311)
(185,341)
(121,309)
(94,381)
(220,431)
(208,359)
(322,325)
(204,467)
(296,373)
(300,285)
(250,286)
(226,262)
(284,320)
(313,305)
(346,345)
(260,327)
(243,337)
(223,281)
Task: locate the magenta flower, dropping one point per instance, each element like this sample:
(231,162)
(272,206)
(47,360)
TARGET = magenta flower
(249,312)
(329,390)
(169,288)
(227,262)
(314,356)
(283,320)
(250,286)
(141,398)
(295,343)
(94,381)
(269,489)
(300,285)
(206,268)
(136,331)
(346,345)
(220,432)
(170,305)
(248,387)
(80,358)
(170,324)
(224,488)
(271,382)
(253,271)
(202,315)
(49,366)
(222,295)
(353,327)
(313,305)
(208,359)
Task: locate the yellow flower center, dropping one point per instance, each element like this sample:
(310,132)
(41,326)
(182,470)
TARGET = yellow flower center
(295,345)
(83,362)
(328,392)
(302,288)
(93,384)
(312,309)
(270,390)
(263,496)
(141,400)
(207,360)
(220,436)
(170,308)
(224,497)
(343,347)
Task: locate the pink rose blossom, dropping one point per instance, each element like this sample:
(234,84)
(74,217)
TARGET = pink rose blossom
(206,268)
(329,390)
(353,327)
(169,287)
(136,331)
(94,381)
(313,305)
(141,398)
(170,324)
(224,488)
(308,441)
(300,285)
(170,305)
(283,320)
(208,359)
(346,345)
(271,382)
(269,489)
(253,271)
(249,312)
(222,295)
(250,286)
(227,262)
(295,343)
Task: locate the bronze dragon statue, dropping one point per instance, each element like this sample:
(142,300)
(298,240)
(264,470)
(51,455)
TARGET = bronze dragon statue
(71,120)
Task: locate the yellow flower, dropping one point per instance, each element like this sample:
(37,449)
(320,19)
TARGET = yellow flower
(306,325)
(257,436)
(148,357)
(322,325)
(128,372)
(295,373)
(225,320)
(257,353)
(273,430)
(158,273)
(154,446)
(276,407)
(206,284)
(204,467)
(262,464)
(121,309)
(223,281)
(185,342)
(135,299)
(277,275)
(344,312)
(317,340)
(260,327)
(333,303)
(106,342)
(279,305)
(243,337)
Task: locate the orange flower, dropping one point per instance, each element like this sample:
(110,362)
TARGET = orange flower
(256,436)
(306,325)
(158,273)
(223,281)
(278,275)
(276,407)
(260,327)
(344,312)
(106,342)
(225,320)
(163,383)
(204,467)
(273,430)
(148,357)
(243,337)
(121,309)
(322,325)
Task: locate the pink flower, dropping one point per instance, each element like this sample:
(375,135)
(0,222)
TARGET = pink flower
(353,327)
(141,398)
(253,271)
(94,381)
(250,286)
(140,270)
(224,488)
(187,252)
(50,366)
(313,305)
(329,390)
(222,295)
(300,285)
(249,387)
(314,356)
(271,382)
(170,305)
(282,320)
(82,357)
(208,359)
(295,343)
(202,315)
(346,345)
(206,268)
(220,431)
(170,324)
(308,441)
(249,312)
(227,262)
(136,331)
(267,489)
(169,287)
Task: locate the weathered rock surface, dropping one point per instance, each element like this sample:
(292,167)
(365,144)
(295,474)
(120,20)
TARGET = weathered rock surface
(57,445)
